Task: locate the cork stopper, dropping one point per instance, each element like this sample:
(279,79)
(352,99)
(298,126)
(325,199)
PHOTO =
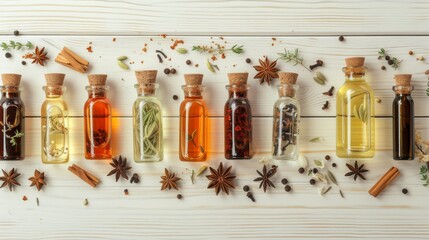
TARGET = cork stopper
(54,79)
(97,79)
(146,81)
(355,62)
(403,80)
(238,78)
(193,79)
(288,77)
(11,79)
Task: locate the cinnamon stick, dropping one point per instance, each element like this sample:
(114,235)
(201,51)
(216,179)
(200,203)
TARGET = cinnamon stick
(70,59)
(84,175)
(384,181)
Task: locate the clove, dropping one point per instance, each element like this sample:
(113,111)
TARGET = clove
(250,195)
(318,63)
(330,92)
(325,106)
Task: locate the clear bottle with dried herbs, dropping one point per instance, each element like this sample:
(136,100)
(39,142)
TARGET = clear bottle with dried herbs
(55,124)
(12,136)
(286,119)
(403,118)
(355,113)
(97,119)
(238,119)
(193,121)
(147,119)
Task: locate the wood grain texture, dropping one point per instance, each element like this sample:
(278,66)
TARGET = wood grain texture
(225,17)
(262,98)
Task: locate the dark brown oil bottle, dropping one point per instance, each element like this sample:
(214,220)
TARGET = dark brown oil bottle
(11,119)
(403,119)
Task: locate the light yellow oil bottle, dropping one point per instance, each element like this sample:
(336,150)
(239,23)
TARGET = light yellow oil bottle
(355,113)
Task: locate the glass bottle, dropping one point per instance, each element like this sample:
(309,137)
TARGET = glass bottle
(147,119)
(238,119)
(193,121)
(403,118)
(12,124)
(97,119)
(286,119)
(355,113)
(55,124)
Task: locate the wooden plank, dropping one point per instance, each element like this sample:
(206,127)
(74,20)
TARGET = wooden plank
(134,17)
(122,94)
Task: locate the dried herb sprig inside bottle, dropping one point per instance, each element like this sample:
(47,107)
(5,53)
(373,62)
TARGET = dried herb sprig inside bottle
(12,124)
(238,119)
(193,121)
(147,119)
(97,119)
(286,118)
(55,124)
(403,118)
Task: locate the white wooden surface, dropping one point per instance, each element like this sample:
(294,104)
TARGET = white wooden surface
(148,213)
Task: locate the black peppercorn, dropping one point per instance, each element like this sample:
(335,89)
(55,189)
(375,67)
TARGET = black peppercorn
(246,188)
(175,97)
(167,71)
(248,60)
(188,62)
(8,55)
(390,62)
(24,63)
(383,67)
(404,191)
(387,58)
(288,188)
(315,170)
(312,181)
(334,165)
(301,170)
(341,38)
(327,157)
(173,71)
(16,32)
(284,181)
(179,196)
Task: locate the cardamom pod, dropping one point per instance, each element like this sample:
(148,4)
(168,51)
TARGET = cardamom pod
(122,58)
(319,78)
(123,65)
(182,50)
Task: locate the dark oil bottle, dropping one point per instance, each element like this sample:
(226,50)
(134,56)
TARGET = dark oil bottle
(403,118)
(12,123)
(238,119)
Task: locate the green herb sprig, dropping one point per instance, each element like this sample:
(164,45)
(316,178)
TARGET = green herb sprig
(13,138)
(16,45)
(392,61)
(424,175)
(219,49)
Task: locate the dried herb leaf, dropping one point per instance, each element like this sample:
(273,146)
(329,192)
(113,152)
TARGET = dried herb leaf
(211,67)
(319,163)
(332,177)
(341,193)
(325,190)
(317,140)
(321,178)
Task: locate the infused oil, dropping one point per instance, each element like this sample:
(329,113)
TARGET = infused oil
(355,113)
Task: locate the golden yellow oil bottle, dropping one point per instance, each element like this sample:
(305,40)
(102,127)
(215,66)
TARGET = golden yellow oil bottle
(355,113)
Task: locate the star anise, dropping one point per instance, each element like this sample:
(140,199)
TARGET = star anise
(356,171)
(266,71)
(9,179)
(221,179)
(39,56)
(265,177)
(120,168)
(169,180)
(38,180)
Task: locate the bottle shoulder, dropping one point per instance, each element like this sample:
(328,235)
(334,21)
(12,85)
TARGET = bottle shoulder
(284,101)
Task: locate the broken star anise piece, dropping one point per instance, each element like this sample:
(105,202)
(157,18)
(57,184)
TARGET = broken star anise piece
(9,179)
(169,180)
(39,56)
(265,177)
(221,179)
(120,168)
(38,180)
(356,171)
(267,71)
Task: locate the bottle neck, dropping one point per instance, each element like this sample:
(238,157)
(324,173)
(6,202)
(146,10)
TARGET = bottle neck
(11,94)
(287,90)
(354,74)
(193,91)
(97,91)
(402,90)
(237,91)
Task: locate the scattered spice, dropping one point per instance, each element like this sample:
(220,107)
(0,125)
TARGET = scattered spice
(330,92)
(248,60)
(218,49)
(188,62)
(325,189)
(410,52)
(301,170)
(250,195)
(37,201)
(288,188)
(85,202)
(378,100)
(384,181)
(404,190)
(8,55)
(356,171)
(182,50)
(39,56)
(24,198)
(341,38)
(89,49)
(126,192)
(175,97)
(424,175)
(392,61)
(319,78)
(16,32)
(246,188)
(284,181)
(24,63)
(84,175)
(120,168)
(38,180)
(169,180)
(135,178)
(192,176)
(383,67)
(421,58)
(212,67)
(318,63)
(71,60)
(177,42)
(325,106)
(327,157)
(334,165)
(317,140)
(312,181)
(267,71)
(221,179)
(265,176)
(173,71)
(122,65)
(201,170)
(16,45)
(315,170)
(159,58)
(179,196)
(162,53)
(167,71)
(9,179)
